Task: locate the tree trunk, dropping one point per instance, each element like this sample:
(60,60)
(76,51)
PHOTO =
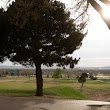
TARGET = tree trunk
(82,84)
(39,80)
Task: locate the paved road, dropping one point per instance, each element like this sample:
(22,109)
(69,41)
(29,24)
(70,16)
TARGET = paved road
(28,103)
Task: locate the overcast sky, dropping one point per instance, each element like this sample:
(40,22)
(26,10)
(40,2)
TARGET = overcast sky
(95,50)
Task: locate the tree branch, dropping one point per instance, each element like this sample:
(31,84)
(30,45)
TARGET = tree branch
(106,2)
(99,9)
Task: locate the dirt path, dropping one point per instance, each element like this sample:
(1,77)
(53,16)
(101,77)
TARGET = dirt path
(38,103)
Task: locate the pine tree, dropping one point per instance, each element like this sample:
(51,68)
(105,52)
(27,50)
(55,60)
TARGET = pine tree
(42,35)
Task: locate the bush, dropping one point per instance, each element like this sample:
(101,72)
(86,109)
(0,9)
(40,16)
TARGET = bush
(57,73)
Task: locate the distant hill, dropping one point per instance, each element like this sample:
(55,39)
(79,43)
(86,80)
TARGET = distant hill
(77,68)
(12,67)
(106,67)
(94,68)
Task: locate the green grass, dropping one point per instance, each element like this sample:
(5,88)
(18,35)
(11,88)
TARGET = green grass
(16,88)
(68,81)
(60,88)
(105,80)
(64,92)
(9,92)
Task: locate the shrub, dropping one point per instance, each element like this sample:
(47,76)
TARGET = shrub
(57,73)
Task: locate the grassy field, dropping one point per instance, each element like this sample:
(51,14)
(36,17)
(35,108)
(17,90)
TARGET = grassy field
(59,88)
